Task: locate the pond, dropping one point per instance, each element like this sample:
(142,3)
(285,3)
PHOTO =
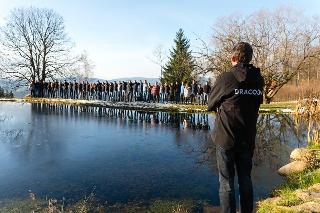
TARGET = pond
(122,155)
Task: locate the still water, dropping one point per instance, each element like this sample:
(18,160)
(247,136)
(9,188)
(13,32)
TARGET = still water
(122,155)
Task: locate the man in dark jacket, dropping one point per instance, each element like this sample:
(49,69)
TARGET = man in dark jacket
(236,97)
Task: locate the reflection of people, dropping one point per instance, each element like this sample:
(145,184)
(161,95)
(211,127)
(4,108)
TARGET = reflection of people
(186,123)
(236,97)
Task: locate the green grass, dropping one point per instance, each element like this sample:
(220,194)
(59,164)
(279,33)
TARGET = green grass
(302,180)
(183,206)
(287,191)
(272,107)
(279,105)
(288,198)
(313,146)
(17,206)
(286,194)
(90,204)
(271,208)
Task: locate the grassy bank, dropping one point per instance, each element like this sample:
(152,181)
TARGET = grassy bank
(294,195)
(272,107)
(300,192)
(90,204)
(276,107)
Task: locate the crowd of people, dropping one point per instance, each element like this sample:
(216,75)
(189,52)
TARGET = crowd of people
(123,91)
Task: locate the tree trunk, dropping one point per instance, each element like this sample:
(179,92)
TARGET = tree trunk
(267,100)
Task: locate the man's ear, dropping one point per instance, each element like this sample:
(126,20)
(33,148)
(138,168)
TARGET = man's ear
(234,59)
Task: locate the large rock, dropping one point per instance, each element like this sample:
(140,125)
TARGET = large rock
(307,196)
(293,167)
(315,188)
(300,154)
(307,207)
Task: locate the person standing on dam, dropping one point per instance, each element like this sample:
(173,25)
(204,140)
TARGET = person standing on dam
(236,97)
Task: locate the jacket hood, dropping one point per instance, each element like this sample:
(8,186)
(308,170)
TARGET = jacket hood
(246,72)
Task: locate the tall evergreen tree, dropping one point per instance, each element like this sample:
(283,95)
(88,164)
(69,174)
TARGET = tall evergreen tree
(181,64)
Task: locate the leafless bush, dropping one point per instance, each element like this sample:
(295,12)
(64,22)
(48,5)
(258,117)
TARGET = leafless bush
(284,42)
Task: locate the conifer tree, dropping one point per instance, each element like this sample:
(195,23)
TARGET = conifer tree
(181,64)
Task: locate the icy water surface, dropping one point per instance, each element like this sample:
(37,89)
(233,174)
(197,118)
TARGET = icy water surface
(122,155)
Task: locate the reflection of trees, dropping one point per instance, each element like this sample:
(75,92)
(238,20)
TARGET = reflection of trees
(202,149)
(313,128)
(4,118)
(277,135)
(313,131)
(205,151)
(39,130)
(12,136)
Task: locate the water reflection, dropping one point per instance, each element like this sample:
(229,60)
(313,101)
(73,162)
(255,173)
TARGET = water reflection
(277,136)
(276,132)
(195,121)
(66,150)
(126,155)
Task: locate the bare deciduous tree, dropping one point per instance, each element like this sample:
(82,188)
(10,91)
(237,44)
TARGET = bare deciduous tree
(160,56)
(35,45)
(83,68)
(283,41)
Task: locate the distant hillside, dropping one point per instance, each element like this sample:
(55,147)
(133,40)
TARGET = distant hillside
(151,80)
(17,89)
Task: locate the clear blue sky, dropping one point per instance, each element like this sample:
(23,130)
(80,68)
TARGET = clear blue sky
(121,35)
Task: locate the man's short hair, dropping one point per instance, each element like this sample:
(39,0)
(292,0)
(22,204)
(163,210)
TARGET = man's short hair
(242,52)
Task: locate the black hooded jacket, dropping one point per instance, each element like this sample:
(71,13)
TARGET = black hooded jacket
(236,97)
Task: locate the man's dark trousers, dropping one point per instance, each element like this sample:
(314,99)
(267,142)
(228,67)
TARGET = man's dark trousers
(241,158)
